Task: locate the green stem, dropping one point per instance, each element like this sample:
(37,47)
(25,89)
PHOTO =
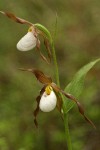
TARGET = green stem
(58,83)
(68,139)
(55,64)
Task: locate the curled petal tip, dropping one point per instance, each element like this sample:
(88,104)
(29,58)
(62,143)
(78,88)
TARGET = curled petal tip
(2,12)
(23,69)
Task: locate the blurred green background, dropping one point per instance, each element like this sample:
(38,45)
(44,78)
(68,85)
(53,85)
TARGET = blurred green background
(77,43)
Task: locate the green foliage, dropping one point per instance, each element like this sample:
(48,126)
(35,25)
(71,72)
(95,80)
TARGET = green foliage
(76,86)
(77,42)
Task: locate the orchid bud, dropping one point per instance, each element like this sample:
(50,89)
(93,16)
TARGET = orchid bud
(27,42)
(48,100)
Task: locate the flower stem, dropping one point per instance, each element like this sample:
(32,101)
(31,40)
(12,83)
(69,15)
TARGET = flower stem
(68,139)
(55,64)
(69,145)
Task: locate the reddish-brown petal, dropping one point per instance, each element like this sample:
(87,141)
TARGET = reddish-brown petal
(44,79)
(55,87)
(71,97)
(42,56)
(38,43)
(16,19)
(36,111)
(81,110)
(59,101)
(46,43)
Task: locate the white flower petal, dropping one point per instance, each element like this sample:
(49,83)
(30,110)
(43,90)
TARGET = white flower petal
(27,42)
(48,102)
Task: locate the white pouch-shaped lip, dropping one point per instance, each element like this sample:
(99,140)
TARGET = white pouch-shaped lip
(48,102)
(27,42)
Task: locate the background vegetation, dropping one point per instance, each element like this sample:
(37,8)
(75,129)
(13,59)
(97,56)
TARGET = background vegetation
(77,43)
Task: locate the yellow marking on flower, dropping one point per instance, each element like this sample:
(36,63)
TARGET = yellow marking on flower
(30,29)
(48,90)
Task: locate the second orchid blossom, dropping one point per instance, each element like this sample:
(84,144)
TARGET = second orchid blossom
(31,39)
(50,97)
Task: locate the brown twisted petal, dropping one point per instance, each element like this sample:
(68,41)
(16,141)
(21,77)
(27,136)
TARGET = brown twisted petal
(36,111)
(44,79)
(46,43)
(71,97)
(81,110)
(16,19)
(42,56)
(38,48)
(59,102)
(55,87)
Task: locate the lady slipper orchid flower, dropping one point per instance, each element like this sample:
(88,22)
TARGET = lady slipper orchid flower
(31,39)
(50,97)
(48,100)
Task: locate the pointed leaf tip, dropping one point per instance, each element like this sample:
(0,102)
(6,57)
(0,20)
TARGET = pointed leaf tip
(76,86)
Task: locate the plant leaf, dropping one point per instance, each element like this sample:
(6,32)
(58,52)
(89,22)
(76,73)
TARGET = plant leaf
(76,86)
